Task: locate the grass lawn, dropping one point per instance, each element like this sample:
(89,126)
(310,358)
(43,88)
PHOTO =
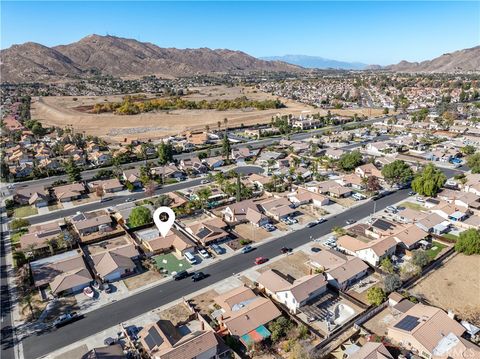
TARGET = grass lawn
(15,238)
(24,211)
(436,248)
(412,205)
(54,207)
(171,263)
(450,236)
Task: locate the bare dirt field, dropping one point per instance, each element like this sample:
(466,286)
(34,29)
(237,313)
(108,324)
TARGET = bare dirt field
(293,264)
(64,110)
(61,111)
(455,286)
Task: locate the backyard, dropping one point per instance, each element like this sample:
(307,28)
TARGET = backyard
(435,250)
(170,263)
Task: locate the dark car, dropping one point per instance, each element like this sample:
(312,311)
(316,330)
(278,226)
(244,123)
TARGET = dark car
(198,276)
(285,250)
(65,319)
(312,224)
(315,249)
(217,249)
(181,275)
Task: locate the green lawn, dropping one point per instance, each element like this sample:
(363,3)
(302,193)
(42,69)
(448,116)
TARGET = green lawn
(173,264)
(54,207)
(450,236)
(436,248)
(414,206)
(24,211)
(15,238)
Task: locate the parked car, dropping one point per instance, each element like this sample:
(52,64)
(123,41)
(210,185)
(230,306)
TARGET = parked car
(217,249)
(391,209)
(285,250)
(315,249)
(292,220)
(203,253)
(247,249)
(260,260)
(65,319)
(204,181)
(420,199)
(190,258)
(312,224)
(269,227)
(350,221)
(129,199)
(105,199)
(107,288)
(198,276)
(412,193)
(181,275)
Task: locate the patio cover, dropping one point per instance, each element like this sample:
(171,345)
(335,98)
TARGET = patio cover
(255,336)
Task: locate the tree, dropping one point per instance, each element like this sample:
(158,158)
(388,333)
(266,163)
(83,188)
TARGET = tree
(469,242)
(279,328)
(392,282)
(386,265)
(474,162)
(165,153)
(226,148)
(163,200)
(203,194)
(375,295)
(19,223)
(72,170)
(397,172)
(386,111)
(19,258)
(468,150)
(150,188)
(429,181)
(139,216)
(420,258)
(99,191)
(27,302)
(350,160)
(373,184)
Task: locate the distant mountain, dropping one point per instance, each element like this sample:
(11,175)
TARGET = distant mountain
(458,61)
(123,57)
(315,62)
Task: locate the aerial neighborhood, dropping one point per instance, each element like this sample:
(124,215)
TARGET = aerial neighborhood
(317,213)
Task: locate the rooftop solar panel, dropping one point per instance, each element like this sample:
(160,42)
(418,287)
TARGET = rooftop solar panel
(150,342)
(153,333)
(408,323)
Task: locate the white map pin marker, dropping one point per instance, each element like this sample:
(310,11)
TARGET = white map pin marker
(164,218)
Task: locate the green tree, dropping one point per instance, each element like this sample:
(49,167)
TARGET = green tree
(163,200)
(165,153)
(350,160)
(420,258)
(19,258)
(375,295)
(203,194)
(397,172)
(226,147)
(474,162)
(279,328)
(386,265)
(139,216)
(468,150)
(469,242)
(19,223)
(392,282)
(72,170)
(429,181)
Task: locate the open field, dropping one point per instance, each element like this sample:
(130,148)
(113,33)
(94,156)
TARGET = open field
(460,277)
(64,110)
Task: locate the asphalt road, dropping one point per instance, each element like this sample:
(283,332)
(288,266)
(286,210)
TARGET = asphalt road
(130,307)
(134,195)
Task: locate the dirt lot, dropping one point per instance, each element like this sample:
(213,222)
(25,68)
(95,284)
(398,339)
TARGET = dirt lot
(294,265)
(379,323)
(60,111)
(142,279)
(255,234)
(204,301)
(176,314)
(460,277)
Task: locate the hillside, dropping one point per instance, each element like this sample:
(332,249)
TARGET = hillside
(316,62)
(123,57)
(458,61)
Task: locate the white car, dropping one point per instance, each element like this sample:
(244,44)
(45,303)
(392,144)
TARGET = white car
(204,253)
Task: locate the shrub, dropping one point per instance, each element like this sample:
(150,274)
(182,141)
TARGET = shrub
(19,223)
(375,295)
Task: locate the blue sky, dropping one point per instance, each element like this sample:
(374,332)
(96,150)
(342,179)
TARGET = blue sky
(370,32)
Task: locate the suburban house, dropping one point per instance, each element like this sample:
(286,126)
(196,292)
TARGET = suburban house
(433,223)
(302,196)
(371,350)
(194,339)
(38,236)
(33,195)
(334,153)
(347,274)
(69,192)
(368,170)
(109,185)
(132,176)
(237,212)
(430,333)
(372,252)
(193,165)
(243,154)
(177,201)
(213,162)
(330,187)
(292,293)
(354,181)
(64,273)
(278,208)
(245,315)
(473,184)
(113,258)
(326,260)
(382,228)
(153,242)
(87,223)
(114,351)
(168,171)
(410,236)
(208,231)
(259,180)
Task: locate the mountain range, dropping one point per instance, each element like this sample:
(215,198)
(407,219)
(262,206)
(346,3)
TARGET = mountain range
(316,62)
(121,57)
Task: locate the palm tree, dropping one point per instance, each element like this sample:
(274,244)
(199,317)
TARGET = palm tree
(219,125)
(225,122)
(51,244)
(27,302)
